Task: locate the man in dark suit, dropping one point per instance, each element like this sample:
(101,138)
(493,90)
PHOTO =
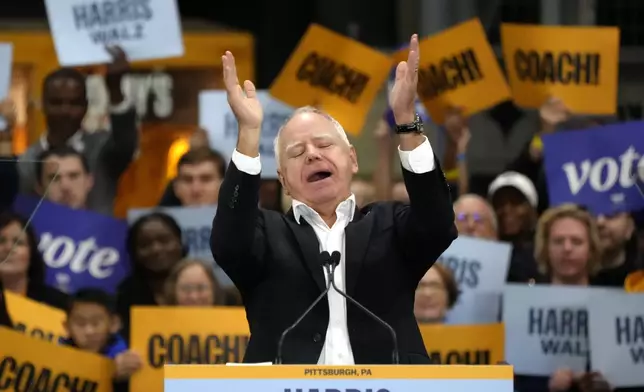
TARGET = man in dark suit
(386,248)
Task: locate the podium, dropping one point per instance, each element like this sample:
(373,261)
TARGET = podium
(315,378)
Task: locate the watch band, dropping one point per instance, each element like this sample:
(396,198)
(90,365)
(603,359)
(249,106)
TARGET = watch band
(414,127)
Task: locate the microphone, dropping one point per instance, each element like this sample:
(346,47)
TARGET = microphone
(330,268)
(325,260)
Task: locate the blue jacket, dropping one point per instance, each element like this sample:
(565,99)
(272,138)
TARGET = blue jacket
(115,345)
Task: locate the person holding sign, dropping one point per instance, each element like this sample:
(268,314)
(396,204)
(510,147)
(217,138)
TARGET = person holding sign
(108,153)
(92,325)
(382,250)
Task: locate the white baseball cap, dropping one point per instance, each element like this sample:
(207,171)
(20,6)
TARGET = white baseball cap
(517,181)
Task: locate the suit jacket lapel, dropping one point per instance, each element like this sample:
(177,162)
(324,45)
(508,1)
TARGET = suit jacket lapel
(309,247)
(358,233)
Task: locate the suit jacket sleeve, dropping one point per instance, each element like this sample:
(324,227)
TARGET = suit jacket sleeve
(118,152)
(10,183)
(425,228)
(237,238)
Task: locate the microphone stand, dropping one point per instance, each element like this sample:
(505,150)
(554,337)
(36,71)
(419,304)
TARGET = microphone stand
(280,343)
(395,357)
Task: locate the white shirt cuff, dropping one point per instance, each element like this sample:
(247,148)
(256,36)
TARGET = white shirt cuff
(246,164)
(121,107)
(419,160)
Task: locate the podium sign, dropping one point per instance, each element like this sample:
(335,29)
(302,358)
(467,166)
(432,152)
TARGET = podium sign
(377,378)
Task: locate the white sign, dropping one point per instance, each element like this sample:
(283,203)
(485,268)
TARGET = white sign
(546,328)
(616,331)
(6,60)
(145,29)
(150,92)
(196,225)
(216,117)
(480,269)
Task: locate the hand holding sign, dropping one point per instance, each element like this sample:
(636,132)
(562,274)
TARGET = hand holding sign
(244,104)
(116,69)
(402,97)
(552,113)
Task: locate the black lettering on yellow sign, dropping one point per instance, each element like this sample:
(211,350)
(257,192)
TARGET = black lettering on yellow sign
(38,333)
(195,349)
(26,377)
(558,67)
(448,74)
(332,76)
(467,357)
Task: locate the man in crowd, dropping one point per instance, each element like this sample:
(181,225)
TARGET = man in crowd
(64,177)
(475,217)
(199,175)
(108,154)
(620,249)
(382,251)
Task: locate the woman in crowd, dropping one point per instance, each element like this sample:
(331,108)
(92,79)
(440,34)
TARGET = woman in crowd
(154,245)
(192,283)
(436,294)
(22,269)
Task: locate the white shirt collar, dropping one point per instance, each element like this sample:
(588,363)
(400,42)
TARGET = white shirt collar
(76,141)
(345,209)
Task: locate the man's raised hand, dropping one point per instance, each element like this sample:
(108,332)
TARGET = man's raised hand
(243,102)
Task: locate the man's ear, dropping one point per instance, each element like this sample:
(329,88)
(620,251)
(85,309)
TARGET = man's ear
(115,324)
(66,327)
(282,182)
(90,182)
(354,160)
(39,189)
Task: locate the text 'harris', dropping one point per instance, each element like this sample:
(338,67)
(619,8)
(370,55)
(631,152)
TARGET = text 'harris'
(558,67)
(334,77)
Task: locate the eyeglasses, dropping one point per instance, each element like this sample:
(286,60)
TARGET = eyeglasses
(467,217)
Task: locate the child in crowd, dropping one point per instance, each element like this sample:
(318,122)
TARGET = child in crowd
(92,325)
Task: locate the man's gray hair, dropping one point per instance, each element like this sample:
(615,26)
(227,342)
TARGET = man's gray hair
(308,109)
(488,206)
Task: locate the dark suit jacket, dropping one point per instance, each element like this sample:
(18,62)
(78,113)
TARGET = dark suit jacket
(273,261)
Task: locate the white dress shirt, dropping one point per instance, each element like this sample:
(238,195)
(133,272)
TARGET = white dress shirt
(337,346)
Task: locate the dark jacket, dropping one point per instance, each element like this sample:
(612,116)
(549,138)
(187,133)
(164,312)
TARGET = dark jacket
(274,262)
(133,291)
(9,182)
(108,154)
(114,346)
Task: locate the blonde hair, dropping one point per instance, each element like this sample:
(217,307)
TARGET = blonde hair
(549,217)
(170,285)
(302,110)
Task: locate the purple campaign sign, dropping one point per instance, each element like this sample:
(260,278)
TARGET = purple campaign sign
(600,168)
(80,248)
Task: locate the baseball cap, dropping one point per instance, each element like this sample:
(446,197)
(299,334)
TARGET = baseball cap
(518,181)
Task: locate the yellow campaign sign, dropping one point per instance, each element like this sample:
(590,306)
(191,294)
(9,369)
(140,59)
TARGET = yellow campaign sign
(334,73)
(28,364)
(35,319)
(480,344)
(578,65)
(459,69)
(178,335)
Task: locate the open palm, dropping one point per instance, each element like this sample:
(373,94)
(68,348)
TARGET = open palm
(243,102)
(403,94)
